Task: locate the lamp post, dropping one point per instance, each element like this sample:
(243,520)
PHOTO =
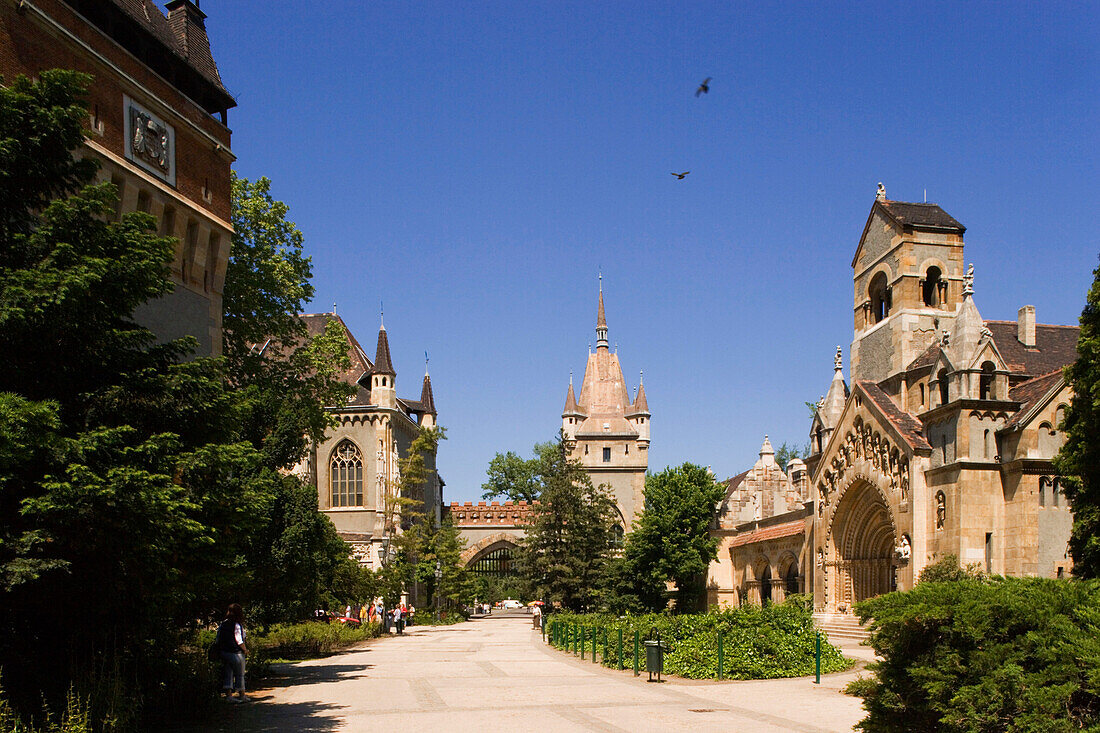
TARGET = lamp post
(438,578)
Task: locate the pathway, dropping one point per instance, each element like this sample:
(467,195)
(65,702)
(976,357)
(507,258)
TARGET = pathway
(496,674)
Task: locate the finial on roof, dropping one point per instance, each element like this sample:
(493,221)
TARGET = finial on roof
(425,363)
(880,195)
(381,315)
(968,281)
(820,402)
(334,307)
(838,362)
(641,373)
(946,338)
(599,276)
(766,447)
(601,321)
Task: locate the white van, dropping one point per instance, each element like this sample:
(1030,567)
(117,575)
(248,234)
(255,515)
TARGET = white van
(511,604)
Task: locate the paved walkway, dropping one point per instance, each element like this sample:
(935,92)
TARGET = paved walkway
(496,674)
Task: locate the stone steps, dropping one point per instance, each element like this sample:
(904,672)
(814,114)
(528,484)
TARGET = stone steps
(840,627)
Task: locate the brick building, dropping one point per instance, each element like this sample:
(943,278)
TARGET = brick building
(158,126)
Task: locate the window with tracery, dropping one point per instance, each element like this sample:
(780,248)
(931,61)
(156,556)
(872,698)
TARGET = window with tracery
(346,475)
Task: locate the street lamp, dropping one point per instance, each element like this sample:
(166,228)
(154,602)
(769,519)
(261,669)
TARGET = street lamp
(438,578)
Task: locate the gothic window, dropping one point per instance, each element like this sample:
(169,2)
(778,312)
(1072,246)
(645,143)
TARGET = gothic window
(987,443)
(1043,482)
(1054,492)
(168,222)
(922,395)
(985,382)
(346,475)
(790,581)
(1059,417)
(607,455)
(211,261)
(941,509)
(617,536)
(942,378)
(930,288)
(143,202)
(879,293)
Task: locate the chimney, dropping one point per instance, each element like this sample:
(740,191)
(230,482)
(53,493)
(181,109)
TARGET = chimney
(1025,326)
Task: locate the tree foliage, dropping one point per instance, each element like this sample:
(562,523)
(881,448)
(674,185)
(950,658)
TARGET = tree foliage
(138,492)
(671,540)
(517,479)
(1078,462)
(571,537)
(992,654)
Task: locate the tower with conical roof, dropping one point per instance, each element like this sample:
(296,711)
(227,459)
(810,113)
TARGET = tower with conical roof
(607,431)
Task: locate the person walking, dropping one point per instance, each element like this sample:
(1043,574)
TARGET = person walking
(398,621)
(536,616)
(232,650)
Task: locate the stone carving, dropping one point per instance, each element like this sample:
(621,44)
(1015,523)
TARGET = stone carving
(968,280)
(904,548)
(149,140)
(941,510)
(838,363)
(863,442)
(360,552)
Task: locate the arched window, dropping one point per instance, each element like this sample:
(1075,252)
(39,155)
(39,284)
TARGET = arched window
(790,581)
(1043,482)
(922,394)
(985,382)
(346,475)
(930,288)
(942,378)
(879,294)
(1059,417)
(766,586)
(499,563)
(617,536)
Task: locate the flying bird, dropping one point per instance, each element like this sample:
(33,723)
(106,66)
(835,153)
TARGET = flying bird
(680,176)
(704,88)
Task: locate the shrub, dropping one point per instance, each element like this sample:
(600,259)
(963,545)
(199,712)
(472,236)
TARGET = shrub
(993,654)
(758,643)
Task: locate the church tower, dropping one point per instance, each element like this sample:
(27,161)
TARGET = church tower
(908,278)
(607,431)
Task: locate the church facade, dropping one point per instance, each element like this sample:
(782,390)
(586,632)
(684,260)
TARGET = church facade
(606,430)
(358,461)
(940,445)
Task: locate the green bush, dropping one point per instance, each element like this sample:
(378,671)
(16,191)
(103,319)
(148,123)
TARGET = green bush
(758,643)
(985,654)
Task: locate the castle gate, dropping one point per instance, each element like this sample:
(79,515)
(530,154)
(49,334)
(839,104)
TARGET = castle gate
(860,562)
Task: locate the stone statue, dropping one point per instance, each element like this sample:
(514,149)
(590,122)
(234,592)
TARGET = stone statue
(904,549)
(941,510)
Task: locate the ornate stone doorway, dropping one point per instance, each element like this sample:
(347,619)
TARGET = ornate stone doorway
(860,549)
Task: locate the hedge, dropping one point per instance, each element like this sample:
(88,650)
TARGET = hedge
(758,643)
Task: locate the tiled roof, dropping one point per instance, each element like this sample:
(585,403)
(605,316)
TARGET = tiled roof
(315,324)
(787,529)
(731,484)
(1055,346)
(184,38)
(907,426)
(927,359)
(929,216)
(1030,392)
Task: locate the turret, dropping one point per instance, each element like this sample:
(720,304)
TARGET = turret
(638,414)
(571,414)
(383,378)
(427,402)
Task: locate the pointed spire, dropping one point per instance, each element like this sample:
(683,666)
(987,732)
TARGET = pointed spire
(382,363)
(766,447)
(427,400)
(570,400)
(601,321)
(831,405)
(640,403)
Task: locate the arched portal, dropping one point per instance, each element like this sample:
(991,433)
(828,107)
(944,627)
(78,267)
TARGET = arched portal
(497,560)
(861,548)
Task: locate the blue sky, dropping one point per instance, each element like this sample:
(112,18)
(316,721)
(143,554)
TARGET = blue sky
(474,165)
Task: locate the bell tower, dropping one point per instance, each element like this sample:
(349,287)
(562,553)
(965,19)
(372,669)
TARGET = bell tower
(907,274)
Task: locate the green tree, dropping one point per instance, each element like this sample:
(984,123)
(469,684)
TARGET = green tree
(1078,462)
(514,478)
(571,537)
(671,540)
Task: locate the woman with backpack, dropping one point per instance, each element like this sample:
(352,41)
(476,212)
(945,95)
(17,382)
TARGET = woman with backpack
(232,650)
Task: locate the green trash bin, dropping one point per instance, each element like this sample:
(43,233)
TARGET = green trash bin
(655,657)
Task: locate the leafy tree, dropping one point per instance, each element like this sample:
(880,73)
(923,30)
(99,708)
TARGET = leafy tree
(515,478)
(786,453)
(1078,462)
(671,540)
(994,654)
(571,536)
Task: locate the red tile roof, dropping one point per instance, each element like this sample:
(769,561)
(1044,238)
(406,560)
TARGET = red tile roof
(787,529)
(907,425)
(1055,346)
(921,215)
(1030,392)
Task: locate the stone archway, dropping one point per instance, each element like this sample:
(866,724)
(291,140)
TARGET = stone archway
(861,545)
